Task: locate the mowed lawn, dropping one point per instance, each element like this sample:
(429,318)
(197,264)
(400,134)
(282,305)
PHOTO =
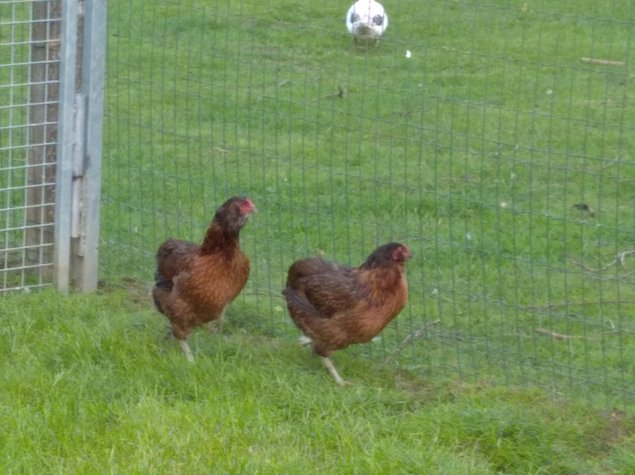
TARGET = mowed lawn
(91,384)
(500,151)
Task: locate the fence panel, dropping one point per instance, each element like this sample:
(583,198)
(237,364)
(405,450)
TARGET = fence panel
(51,108)
(29,83)
(495,138)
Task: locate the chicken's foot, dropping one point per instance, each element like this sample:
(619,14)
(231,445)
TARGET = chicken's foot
(186,349)
(305,340)
(331,367)
(216,326)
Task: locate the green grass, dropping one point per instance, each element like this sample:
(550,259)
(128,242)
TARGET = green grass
(473,152)
(91,384)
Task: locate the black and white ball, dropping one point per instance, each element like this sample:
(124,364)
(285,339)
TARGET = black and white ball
(366,20)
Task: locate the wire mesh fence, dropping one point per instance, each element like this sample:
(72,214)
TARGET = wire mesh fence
(494,138)
(29,77)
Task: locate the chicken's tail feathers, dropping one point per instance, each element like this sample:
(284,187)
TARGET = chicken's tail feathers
(297,303)
(158,295)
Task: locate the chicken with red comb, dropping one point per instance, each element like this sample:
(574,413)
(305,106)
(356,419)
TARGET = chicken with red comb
(194,283)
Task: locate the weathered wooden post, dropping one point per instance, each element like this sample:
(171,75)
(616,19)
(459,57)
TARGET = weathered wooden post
(42,135)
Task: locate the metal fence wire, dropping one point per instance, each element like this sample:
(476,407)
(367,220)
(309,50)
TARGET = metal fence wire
(51,110)
(495,138)
(29,79)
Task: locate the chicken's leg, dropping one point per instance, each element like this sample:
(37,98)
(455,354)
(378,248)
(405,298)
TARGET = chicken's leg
(186,349)
(216,326)
(331,367)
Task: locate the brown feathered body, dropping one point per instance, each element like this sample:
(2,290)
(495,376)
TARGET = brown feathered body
(336,306)
(195,283)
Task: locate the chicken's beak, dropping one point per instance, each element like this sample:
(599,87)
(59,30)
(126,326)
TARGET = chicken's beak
(250,208)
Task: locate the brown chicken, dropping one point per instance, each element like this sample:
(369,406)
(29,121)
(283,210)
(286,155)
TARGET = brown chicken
(336,306)
(195,284)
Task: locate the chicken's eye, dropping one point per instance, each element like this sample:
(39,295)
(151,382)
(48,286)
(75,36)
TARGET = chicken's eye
(354,17)
(378,19)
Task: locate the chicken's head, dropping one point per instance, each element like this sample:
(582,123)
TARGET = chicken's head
(388,254)
(234,212)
